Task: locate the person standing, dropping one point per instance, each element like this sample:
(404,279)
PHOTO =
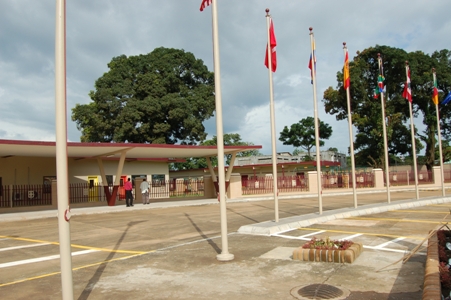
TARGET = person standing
(144,186)
(128,193)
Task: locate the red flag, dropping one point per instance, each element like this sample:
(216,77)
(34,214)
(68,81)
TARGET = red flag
(273,44)
(204,4)
(407,93)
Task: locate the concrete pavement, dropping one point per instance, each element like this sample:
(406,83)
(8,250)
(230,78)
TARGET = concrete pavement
(178,243)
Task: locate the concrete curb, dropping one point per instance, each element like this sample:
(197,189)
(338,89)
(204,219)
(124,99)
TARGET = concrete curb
(270,227)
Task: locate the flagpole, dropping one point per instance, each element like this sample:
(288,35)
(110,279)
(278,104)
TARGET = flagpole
(412,132)
(387,171)
(315,108)
(67,288)
(273,127)
(351,136)
(439,138)
(224,255)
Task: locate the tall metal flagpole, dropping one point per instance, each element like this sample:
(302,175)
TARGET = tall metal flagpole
(387,171)
(439,138)
(315,108)
(61,152)
(273,122)
(412,132)
(224,255)
(351,136)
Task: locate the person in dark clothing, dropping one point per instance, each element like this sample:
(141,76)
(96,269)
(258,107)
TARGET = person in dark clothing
(128,193)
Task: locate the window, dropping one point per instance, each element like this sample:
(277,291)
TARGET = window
(158,180)
(137,176)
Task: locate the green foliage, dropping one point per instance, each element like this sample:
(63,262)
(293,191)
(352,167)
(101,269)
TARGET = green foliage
(367,112)
(230,139)
(302,134)
(160,98)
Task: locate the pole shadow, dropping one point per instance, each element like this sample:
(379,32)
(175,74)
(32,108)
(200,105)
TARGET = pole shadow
(210,241)
(98,273)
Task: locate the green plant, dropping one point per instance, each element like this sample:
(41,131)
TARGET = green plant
(327,244)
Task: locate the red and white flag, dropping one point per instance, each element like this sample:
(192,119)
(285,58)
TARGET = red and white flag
(273,44)
(407,93)
(204,4)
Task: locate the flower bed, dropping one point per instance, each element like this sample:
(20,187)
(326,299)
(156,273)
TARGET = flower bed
(444,255)
(342,251)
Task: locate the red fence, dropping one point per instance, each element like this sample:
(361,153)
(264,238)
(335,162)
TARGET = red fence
(407,178)
(265,184)
(344,180)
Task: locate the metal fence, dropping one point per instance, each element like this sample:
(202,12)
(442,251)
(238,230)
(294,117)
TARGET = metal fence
(180,187)
(265,184)
(344,180)
(25,195)
(407,178)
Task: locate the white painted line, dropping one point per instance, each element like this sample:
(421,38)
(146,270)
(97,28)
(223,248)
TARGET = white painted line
(39,259)
(24,246)
(389,242)
(393,250)
(310,234)
(303,237)
(353,236)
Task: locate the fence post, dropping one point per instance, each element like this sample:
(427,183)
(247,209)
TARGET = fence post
(312,181)
(379,178)
(10,194)
(235,190)
(437,175)
(54,194)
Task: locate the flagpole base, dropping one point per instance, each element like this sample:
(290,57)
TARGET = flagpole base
(225,257)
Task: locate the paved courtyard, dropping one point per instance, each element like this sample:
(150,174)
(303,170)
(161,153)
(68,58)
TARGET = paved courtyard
(168,250)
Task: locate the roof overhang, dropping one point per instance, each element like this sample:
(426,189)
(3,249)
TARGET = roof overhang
(77,150)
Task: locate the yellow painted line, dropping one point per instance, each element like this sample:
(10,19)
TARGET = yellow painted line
(362,233)
(395,220)
(421,211)
(73,269)
(74,245)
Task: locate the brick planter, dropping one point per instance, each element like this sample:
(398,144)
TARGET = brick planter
(338,256)
(431,286)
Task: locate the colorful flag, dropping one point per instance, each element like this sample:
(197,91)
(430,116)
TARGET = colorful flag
(312,62)
(407,93)
(380,78)
(376,93)
(204,4)
(435,92)
(273,44)
(346,80)
(447,99)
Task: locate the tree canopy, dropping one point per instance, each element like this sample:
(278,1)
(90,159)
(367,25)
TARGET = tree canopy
(367,112)
(230,139)
(160,98)
(302,134)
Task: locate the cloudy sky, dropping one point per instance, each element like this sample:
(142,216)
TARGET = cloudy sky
(99,30)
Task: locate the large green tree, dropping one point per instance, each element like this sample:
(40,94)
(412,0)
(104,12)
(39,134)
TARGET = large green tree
(367,112)
(230,139)
(302,134)
(160,98)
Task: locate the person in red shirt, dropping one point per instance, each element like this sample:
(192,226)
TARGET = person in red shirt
(128,193)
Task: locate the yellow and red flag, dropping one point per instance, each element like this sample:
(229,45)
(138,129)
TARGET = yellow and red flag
(346,80)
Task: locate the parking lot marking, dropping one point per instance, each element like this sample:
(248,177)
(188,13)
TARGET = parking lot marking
(73,269)
(302,237)
(363,233)
(396,220)
(24,246)
(386,243)
(421,211)
(40,259)
(76,246)
(353,236)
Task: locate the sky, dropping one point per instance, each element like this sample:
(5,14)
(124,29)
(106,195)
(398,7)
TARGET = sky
(97,31)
